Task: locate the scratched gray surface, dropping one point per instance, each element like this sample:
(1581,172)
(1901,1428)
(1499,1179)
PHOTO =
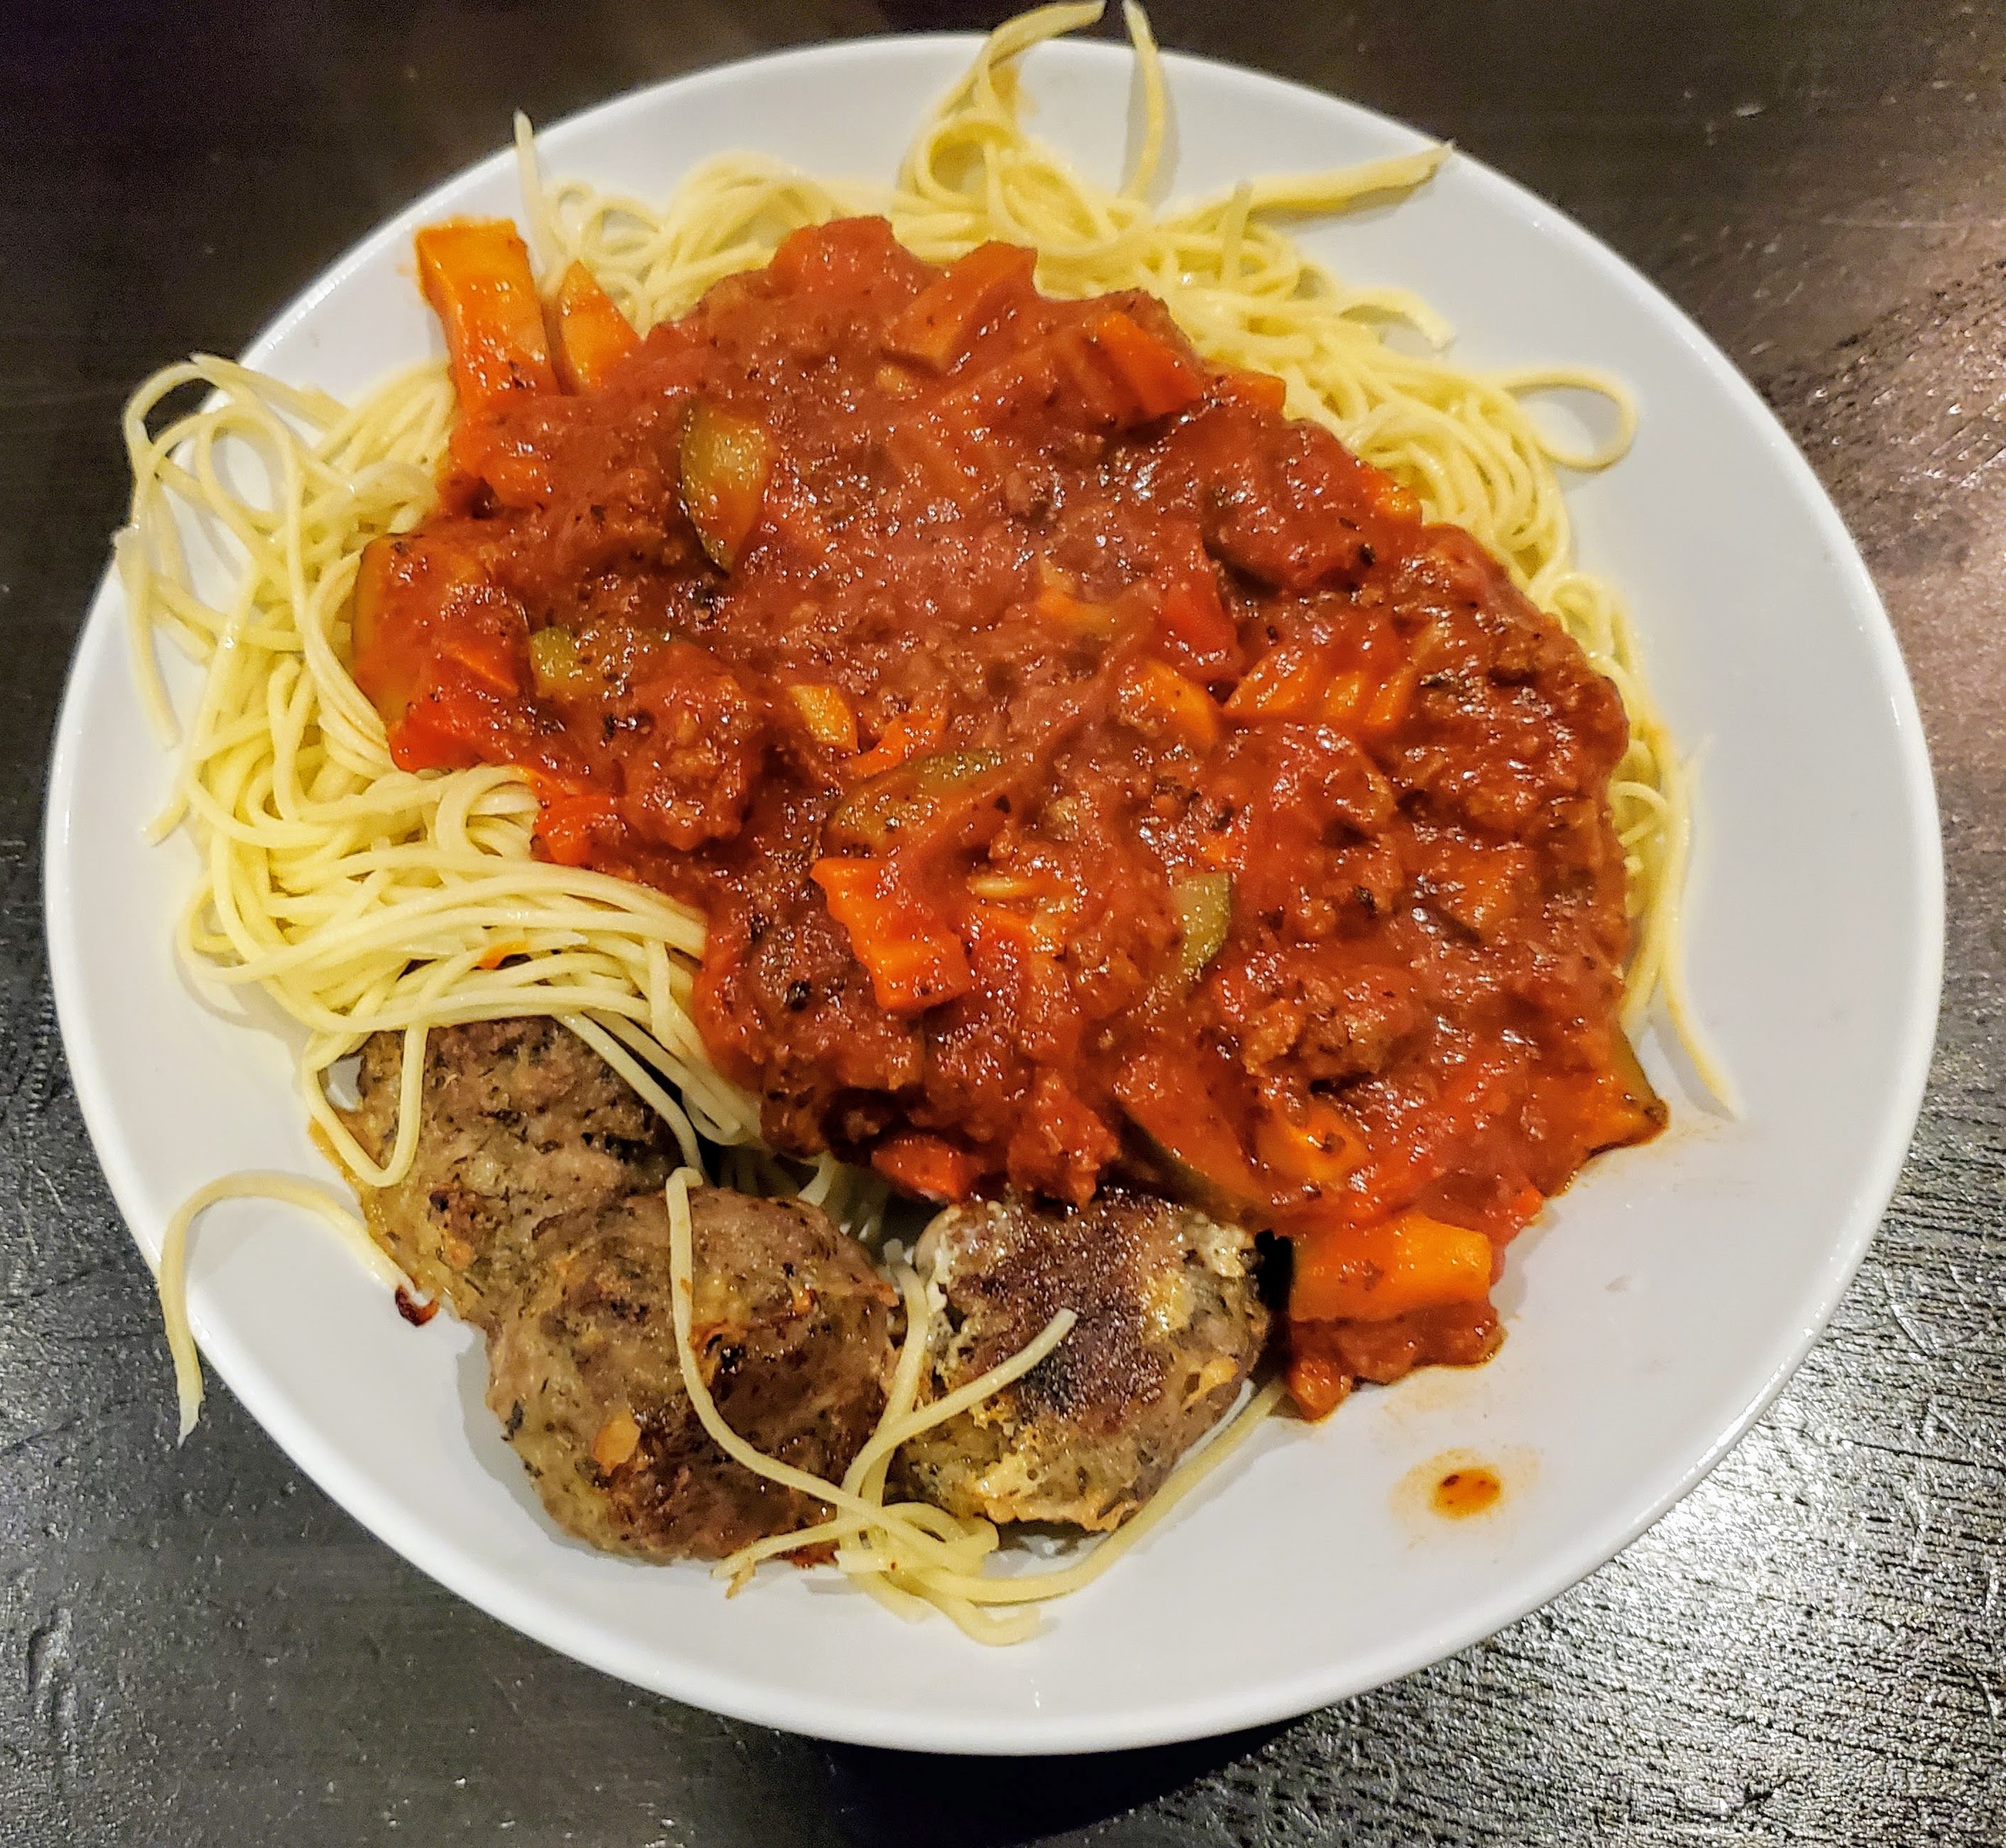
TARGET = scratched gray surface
(195,1647)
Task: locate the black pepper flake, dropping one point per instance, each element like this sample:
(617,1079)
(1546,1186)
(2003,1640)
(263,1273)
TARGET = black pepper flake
(799,995)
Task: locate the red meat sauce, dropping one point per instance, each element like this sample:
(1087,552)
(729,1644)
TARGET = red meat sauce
(1085,770)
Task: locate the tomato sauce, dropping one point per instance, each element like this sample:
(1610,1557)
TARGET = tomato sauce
(1083,766)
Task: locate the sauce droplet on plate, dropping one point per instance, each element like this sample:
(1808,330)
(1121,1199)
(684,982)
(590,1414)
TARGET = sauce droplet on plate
(1465,1488)
(1468,1489)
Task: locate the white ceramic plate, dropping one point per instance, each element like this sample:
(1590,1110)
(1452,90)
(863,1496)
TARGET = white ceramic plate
(1664,1301)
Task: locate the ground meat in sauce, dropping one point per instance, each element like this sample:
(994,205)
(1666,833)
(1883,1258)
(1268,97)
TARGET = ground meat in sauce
(1171,1326)
(793,1331)
(1054,658)
(521,1124)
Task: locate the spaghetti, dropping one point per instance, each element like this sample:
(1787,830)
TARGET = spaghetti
(361,899)
(911,1555)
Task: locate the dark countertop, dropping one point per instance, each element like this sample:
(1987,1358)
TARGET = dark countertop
(196,1648)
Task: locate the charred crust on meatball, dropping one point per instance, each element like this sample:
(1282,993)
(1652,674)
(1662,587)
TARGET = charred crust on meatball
(1170,1324)
(792,1330)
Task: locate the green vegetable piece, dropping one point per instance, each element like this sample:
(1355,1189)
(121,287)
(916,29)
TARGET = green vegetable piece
(1204,905)
(554,659)
(879,810)
(727,462)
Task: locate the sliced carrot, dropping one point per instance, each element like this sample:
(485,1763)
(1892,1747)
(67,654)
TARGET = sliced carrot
(1285,684)
(475,272)
(993,927)
(553,781)
(569,827)
(1262,388)
(1062,607)
(1393,501)
(907,735)
(1388,705)
(590,336)
(1154,376)
(1194,613)
(490,655)
(915,962)
(1343,697)
(1375,1272)
(1157,700)
(944,320)
(930,1166)
(429,737)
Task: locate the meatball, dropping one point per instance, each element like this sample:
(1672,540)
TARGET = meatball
(1170,1324)
(792,1330)
(521,1123)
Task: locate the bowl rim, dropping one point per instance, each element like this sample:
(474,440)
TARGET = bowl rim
(1180,1715)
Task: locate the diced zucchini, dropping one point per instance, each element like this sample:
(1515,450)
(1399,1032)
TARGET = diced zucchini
(554,660)
(1203,903)
(727,462)
(875,813)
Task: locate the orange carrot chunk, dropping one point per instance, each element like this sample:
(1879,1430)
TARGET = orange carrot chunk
(915,962)
(1155,377)
(906,735)
(589,333)
(944,320)
(1373,1273)
(475,272)
(1285,684)
(1194,614)
(569,826)
(1159,703)
(929,1166)
(1261,389)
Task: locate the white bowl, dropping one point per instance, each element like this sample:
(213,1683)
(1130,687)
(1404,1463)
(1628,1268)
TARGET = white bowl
(1665,1300)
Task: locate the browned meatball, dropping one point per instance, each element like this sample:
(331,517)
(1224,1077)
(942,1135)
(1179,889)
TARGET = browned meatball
(792,1330)
(1169,1326)
(521,1122)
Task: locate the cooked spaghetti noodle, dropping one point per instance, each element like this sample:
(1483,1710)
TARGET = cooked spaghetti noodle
(909,1554)
(360,899)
